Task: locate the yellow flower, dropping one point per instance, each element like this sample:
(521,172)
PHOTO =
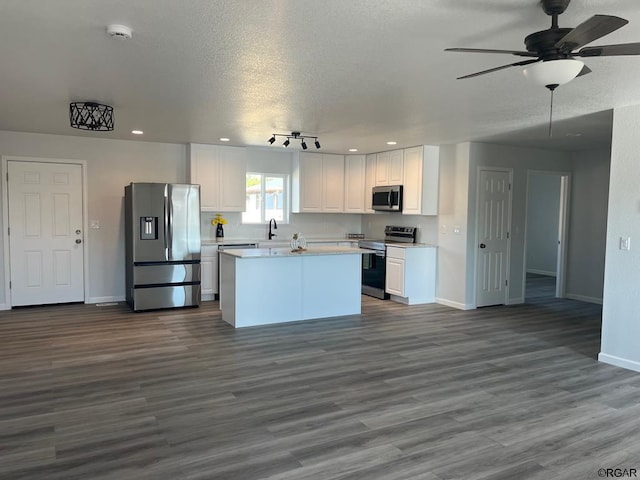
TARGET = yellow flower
(218,220)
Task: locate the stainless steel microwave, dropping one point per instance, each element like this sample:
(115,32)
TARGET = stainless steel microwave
(387,198)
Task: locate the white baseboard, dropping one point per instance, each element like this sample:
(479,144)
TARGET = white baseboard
(515,301)
(458,305)
(105,299)
(541,272)
(5,306)
(584,298)
(619,362)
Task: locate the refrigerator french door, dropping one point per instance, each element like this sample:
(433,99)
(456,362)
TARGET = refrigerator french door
(162,231)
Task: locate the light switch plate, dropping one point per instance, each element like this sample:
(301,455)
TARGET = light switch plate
(625,243)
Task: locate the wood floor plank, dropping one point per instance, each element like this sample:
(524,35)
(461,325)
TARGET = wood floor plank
(399,392)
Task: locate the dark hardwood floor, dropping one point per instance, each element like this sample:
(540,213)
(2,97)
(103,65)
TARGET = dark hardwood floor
(399,392)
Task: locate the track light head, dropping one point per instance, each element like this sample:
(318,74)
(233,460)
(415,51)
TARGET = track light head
(303,145)
(272,139)
(317,143)
(286,142)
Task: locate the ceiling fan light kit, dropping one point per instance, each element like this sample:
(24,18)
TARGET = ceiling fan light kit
(553,73)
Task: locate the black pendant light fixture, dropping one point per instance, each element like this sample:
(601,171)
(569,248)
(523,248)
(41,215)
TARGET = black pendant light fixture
(294,136)
(91,116)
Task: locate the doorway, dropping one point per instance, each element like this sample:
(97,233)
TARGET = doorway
(545,235)
(44,244)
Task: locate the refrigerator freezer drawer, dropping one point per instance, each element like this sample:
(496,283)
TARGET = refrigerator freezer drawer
(158,274)
(166,297)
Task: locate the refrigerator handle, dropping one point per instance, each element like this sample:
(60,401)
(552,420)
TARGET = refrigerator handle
(168,226)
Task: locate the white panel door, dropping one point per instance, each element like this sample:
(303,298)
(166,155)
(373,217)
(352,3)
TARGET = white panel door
(493,237)
(46,237)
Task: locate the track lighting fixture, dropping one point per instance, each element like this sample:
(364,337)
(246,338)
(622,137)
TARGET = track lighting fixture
(294,136)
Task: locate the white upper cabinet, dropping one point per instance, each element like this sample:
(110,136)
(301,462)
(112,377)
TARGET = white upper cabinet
(389,168)
(420,180)
(369,181)
(333,183)
(318,183)
(396,167)
(354,184)
(221,173)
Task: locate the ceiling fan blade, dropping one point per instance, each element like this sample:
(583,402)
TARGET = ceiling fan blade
(495,69)
(485,50)
(584,71)
(590,30)
(610,50)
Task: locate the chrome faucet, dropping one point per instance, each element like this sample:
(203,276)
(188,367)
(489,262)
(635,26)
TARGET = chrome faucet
(275,227)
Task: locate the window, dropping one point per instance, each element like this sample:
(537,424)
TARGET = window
(267,197)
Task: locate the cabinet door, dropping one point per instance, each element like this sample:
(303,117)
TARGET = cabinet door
(232,179)
(203,170)
(354,181)
(311,182)
(369,181)
(394,279)
(395,167)
(412,192)
(382,169)
(333,183)
(206,271)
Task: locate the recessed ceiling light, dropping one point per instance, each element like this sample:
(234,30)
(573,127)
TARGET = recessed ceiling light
(353,149)
(392,143)
(224,139)
(137,132)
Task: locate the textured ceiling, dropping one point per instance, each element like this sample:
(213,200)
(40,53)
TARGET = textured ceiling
(357,73)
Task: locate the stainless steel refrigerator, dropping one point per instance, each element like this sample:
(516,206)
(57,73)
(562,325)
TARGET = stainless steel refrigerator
(162,231)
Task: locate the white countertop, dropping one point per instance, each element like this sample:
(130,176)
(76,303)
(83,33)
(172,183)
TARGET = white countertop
(412,245)
(286,252)
(275,242)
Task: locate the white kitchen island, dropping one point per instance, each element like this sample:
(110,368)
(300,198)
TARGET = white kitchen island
(261,286)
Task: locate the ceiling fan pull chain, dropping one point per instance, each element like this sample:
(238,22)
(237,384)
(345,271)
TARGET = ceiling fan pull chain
(551,113)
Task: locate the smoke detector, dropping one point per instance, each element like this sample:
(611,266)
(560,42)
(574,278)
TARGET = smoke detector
(119,31)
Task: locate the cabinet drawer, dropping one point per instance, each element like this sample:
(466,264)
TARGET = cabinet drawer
(395,252)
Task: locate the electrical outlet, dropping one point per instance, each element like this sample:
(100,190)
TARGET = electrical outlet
(95,224)
(457,229)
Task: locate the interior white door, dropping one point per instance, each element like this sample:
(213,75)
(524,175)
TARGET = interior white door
(45,233)
(493,237)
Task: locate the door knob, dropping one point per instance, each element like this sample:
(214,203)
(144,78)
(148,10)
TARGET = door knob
(78,240)
(482,245)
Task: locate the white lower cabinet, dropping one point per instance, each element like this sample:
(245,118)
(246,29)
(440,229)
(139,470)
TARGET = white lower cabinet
(411,274)
(208,272)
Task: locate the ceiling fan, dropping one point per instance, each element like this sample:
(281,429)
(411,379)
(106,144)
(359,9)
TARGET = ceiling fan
(552,53)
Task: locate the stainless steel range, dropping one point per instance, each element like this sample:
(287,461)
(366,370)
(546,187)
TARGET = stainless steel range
(374,265)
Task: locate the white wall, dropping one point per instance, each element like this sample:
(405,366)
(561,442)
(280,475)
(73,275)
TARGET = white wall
(621,302)
(588,225)
(455,282)
(543,213)
(111,164)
